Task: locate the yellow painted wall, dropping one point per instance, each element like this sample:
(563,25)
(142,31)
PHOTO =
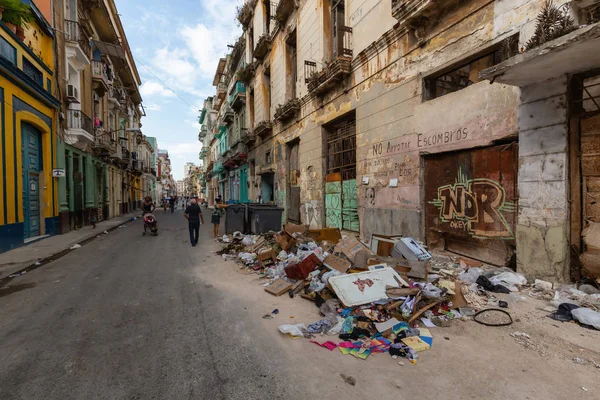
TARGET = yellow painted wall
(42,45)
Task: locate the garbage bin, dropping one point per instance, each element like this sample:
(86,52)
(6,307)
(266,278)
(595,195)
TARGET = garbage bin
(235,219)
(264,218)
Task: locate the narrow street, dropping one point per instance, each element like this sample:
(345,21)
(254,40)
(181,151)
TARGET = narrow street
(168,321)
(131,317)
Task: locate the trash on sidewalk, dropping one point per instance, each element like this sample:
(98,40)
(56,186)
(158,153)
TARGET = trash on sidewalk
(76,246)
(382,297)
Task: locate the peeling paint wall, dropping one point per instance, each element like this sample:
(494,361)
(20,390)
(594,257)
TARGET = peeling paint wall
(396,127)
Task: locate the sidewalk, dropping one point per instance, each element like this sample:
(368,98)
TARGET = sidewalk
(22,257)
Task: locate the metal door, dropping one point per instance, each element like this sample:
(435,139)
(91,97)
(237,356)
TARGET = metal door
(333,200)
(471,201)
(341,192)
(244,184)
(32,167)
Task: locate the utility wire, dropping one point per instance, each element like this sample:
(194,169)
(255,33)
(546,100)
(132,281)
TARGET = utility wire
(164,84)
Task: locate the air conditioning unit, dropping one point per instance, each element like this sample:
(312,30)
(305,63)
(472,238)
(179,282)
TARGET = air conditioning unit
(72,94)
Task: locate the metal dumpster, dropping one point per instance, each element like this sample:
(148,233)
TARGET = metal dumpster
(264,218)
(236,219)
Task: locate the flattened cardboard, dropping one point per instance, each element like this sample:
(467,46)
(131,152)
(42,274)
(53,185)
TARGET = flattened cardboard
(337,263)
(278,287)
(285,240)
(332,235)
(294,228)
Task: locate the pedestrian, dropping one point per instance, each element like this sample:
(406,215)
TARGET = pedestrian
(216,220)
(193,213)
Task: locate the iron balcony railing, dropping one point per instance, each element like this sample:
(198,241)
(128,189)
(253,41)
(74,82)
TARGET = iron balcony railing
(73,33)
(101,70)
(76,119)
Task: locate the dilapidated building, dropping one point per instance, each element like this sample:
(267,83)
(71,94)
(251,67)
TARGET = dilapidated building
(452,122)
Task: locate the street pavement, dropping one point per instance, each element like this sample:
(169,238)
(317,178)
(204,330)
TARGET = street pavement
(129,317)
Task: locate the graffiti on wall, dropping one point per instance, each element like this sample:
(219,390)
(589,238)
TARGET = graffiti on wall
(476,206)
(311,214)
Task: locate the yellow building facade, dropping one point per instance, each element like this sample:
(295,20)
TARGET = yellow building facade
(28,112)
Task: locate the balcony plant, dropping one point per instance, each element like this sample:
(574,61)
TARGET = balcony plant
(552,22)
(16,16)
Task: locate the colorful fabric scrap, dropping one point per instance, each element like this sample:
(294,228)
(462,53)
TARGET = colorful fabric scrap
(328,345)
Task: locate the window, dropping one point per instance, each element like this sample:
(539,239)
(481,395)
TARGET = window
(268,157)
(267,80)
(49,85)
(8,51)
(291,65)
(466,73)
(32,72)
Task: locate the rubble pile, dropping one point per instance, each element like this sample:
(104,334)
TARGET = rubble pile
(384,298)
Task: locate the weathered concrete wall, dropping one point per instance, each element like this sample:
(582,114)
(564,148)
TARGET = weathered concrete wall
(543,224)
(369,20)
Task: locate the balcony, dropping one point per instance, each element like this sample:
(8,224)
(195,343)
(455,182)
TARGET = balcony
(104,146)
(102,77)
(203,133)
(117,96)
(202,116)
(236,156)
(80,126)
(284,10)
(77,45)
(285,112)
(263,129)
(222,130)
(125,159)
(221,91)
(334,71)
(238,97)
(246,73)
(414,13)
(228,114)
(245,13)
(247,136)
(263,45)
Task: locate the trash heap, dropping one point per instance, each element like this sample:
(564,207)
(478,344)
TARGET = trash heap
(382,298)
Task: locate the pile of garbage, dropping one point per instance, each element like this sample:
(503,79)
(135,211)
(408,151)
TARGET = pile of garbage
(382,298)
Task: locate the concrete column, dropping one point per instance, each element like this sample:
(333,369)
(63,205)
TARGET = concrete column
(90,179)
(543,222)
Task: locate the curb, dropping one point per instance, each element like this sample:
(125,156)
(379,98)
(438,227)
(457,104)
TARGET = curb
(59,254)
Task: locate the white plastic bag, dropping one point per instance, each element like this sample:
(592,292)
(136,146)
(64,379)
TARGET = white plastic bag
(247,241)
(587,316)
(295,331)
(327,275)
(337,328)
(470,275)
(511,278)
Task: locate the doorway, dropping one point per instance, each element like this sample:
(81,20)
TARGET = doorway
(341,198)
(267,183)
(31,140)
(293,182)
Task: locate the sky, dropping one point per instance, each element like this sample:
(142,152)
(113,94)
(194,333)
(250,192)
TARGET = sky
(176,45)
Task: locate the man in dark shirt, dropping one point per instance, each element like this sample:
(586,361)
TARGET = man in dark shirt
(193,213)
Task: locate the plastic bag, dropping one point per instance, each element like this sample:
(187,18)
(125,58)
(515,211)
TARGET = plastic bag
(247,258)
(429,290)
(316,285)
(470,275)
(283,255)
(226,239)
(295,331)
(587,316)
(327,275)
(247,241)
(337,328)
(511,278)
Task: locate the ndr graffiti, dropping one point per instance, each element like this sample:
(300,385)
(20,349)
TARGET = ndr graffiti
(476,206)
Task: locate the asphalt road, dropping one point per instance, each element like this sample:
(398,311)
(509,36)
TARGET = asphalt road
(129,317)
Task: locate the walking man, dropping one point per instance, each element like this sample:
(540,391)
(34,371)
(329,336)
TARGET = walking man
(194,215)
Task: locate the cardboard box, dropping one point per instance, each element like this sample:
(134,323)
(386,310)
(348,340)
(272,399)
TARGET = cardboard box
(337,263)
(285,240)
(350,246)
(278,287)
(332,235)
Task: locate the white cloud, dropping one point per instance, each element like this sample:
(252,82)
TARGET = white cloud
(152,107)
(154,88)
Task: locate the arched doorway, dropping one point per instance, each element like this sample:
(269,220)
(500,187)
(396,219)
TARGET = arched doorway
(31,141)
